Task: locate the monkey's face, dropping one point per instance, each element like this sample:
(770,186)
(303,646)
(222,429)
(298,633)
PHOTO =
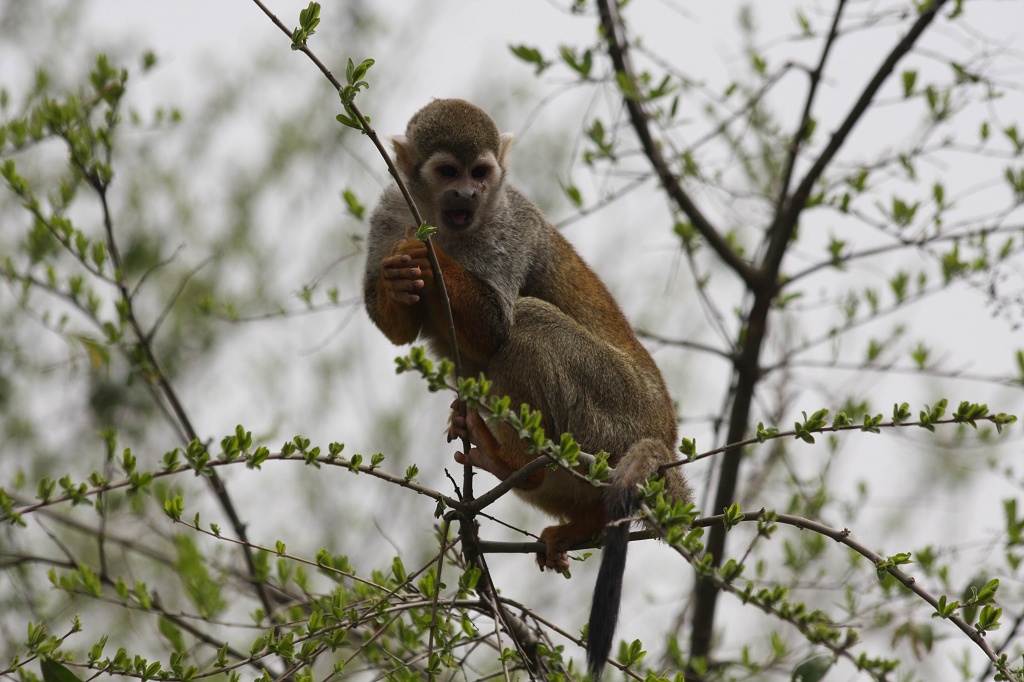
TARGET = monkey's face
(461,191)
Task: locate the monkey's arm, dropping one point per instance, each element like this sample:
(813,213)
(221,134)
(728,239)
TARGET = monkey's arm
(391,298)
(481,323)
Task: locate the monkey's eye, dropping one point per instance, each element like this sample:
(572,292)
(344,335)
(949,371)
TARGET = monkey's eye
(447,171)
(480,172)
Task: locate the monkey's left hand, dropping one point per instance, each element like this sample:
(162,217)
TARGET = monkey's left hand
(486,454)
(467,423)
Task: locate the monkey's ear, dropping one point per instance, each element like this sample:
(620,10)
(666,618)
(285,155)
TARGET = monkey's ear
(405,156)
(503,147)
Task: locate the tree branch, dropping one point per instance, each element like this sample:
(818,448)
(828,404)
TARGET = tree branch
(617,50)
(796,143)
(786,219)
(764,288)
(467,472)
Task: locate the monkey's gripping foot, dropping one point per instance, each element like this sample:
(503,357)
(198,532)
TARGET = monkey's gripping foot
(458,410)
(558,539)
(486,451)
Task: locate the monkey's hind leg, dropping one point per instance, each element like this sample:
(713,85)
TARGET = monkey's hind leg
(584,386)
(608,400)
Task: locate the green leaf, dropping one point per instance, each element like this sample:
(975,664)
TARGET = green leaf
(309,19)
(573,193)
(174,507)
(632,654)
(989,619)
(355,74)
(1015,138)
(945,608)
(172,634)
(398,570)
(55,672)
(580,65)
(355,208)
(425,231)
(258,645)
(813,669)
(627,86)
(530,55)
(202,590)
(919,354)
(909,79)
(350,122)
(805,25)
(733,516)
(987,593)
(903,212)
(759,65)
(763,433)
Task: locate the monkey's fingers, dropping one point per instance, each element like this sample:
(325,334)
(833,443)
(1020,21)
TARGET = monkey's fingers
(413,248)
(555,561)
(408,299)
(477,430)
(403,284)
(404,291)
(406,267)
(457,426)
(398,274)
(402,265)
(482,458)
(473,459)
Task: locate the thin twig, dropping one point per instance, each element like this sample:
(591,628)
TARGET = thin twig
(796,143)
(843,537)
(617,50)
(407,195)
(437,590)
(159,377)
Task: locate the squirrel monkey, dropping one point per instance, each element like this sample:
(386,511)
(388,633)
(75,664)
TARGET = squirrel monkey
(540,324)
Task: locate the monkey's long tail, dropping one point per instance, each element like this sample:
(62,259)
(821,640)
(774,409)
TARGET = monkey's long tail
(604,612)
(621,503)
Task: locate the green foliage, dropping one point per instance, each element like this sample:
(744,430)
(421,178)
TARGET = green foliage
(532,56)
(813,669)
(202,589)
(309,19)
(425,231)
(55,672)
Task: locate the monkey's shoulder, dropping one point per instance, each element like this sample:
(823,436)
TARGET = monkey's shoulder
(391,214)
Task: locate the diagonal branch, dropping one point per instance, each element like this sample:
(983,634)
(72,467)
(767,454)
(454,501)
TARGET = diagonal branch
(764,287)
(467,472)
(617,50)
(160,380)
(786,219)
(805,117)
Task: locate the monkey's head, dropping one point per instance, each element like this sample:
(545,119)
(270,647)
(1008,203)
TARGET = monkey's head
(453,158)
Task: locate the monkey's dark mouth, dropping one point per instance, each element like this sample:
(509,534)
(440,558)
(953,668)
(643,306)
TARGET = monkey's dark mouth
(458,218)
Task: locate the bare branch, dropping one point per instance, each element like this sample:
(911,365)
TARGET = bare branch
(617,50)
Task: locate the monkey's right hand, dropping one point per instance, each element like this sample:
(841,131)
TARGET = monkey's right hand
(407,271)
